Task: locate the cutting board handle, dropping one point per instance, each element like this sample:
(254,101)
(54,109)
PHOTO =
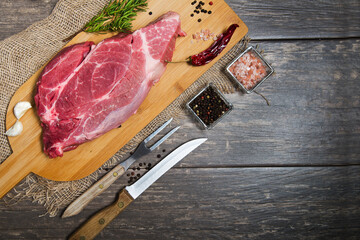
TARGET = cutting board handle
(12,171)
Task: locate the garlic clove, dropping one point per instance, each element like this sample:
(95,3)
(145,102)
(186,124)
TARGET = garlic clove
(20,109)
(15,130)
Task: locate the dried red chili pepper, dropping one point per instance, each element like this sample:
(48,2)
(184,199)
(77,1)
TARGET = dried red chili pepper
(215,49)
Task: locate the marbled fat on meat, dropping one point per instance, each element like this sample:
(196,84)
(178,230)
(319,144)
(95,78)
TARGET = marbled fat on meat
(87,89)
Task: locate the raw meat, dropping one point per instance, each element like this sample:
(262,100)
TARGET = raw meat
(87,89)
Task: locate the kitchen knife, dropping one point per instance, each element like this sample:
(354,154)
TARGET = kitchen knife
(101,219)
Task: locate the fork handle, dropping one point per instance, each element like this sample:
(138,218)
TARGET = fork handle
(100,186)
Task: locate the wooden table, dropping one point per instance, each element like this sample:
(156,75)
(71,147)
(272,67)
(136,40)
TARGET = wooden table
(288,171)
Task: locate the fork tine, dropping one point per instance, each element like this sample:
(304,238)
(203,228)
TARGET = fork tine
(157,131)
(163,138)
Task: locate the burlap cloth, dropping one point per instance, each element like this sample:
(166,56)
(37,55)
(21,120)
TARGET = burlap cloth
(23,54)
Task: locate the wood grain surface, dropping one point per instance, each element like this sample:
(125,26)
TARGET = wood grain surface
(288,171)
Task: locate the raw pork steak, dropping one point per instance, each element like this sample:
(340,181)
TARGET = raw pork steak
(87,90)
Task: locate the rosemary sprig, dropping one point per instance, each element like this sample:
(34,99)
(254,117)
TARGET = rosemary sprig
(116,16)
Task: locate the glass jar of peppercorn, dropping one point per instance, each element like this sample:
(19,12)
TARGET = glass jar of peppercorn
(209,106)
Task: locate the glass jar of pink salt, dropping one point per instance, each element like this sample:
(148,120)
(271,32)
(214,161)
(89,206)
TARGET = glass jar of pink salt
(249,70)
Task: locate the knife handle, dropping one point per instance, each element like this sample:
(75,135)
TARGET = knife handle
(101,219)
(99,187)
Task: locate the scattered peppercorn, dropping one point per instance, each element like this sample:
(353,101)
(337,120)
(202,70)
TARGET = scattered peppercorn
(199,8)
(164,150)
(209,12)
(159,156)
(150,13)
(133,176)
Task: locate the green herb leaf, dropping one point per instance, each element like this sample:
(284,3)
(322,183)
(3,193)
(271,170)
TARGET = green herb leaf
(116,16)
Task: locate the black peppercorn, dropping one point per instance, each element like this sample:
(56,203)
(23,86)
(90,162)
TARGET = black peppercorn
(199,20)
(150,13)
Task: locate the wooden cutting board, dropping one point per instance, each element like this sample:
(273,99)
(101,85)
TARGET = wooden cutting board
(28,155)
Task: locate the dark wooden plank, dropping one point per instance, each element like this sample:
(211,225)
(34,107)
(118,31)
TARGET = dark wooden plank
(17,15)
(225,203)
(266,19)
(299,19)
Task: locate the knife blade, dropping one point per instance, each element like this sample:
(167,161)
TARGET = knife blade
(100,220)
